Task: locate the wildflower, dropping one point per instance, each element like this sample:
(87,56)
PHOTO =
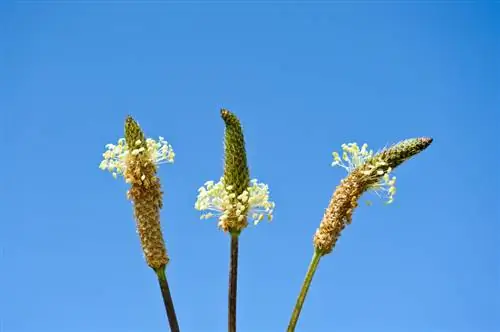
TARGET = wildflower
(235,198)
(366,171)
(136,158)
(221,201)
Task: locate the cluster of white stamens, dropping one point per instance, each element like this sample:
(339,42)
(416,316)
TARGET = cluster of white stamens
(354,157)
(115,157)
(220,201)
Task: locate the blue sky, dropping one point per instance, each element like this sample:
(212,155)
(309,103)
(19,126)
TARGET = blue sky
(303,78)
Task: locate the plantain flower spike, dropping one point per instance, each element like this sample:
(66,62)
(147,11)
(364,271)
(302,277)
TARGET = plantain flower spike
(367,171)
(235,197)
(136,159)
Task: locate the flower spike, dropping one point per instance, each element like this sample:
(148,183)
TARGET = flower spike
(235,198)
(136,159)
(366,171)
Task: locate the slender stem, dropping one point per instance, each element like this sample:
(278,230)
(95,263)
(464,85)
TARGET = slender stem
(303,291)
(167,299)
(233,284)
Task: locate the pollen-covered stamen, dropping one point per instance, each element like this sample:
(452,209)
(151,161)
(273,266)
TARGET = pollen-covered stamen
(385,188)
(161,151)
(115,156)
(377,174)
(258,200)
(352,156)
(220,201)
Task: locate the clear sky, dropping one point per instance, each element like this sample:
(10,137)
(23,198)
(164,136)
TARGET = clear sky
(303,78)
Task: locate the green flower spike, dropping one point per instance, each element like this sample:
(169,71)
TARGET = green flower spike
(235,197)
(236,174)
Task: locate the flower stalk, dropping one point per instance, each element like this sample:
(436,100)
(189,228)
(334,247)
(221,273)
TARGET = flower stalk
(303,291)
(233,282)
(367,171)
(167,299)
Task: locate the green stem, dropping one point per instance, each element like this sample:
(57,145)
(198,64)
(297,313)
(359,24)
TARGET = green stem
(303,291)
(233,283)
(167,299)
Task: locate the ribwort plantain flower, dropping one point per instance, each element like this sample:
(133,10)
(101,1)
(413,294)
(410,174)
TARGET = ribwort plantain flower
(367,171)
(136,158)
(235,197)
